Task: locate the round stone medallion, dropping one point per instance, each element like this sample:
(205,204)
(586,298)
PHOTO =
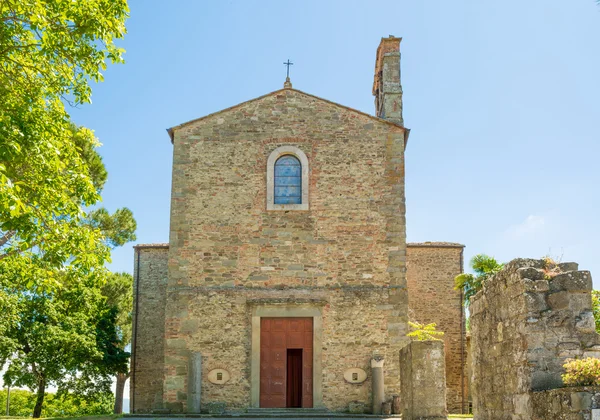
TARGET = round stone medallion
(218,376)
(355,375)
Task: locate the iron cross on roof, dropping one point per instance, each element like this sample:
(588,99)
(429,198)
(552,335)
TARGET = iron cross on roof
(288,64)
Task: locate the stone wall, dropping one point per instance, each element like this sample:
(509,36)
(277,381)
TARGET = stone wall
(422,373)
(525,323)
(146,385)
(431,268)
(576,403)
(349,247)
(354,327)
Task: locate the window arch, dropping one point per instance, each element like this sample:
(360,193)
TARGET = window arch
(287,179)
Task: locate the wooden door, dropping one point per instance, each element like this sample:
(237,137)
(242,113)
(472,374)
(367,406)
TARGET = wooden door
(277,336)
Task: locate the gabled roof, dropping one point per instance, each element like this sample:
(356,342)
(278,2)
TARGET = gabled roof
(171,130)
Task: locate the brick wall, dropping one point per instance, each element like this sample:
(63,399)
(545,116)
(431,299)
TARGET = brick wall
(431,268)
(149,328)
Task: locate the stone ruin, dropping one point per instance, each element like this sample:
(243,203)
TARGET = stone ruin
(525,323)
(423,379)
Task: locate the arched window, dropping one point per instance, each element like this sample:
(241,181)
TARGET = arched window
(288,180)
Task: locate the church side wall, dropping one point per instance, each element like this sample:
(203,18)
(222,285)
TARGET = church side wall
(431,268)
(352,238)
(150,281)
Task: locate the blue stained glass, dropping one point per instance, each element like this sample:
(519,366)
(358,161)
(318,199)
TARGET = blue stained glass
(288,180)
(287,200)
(288,160)
(288,191)
(287,170)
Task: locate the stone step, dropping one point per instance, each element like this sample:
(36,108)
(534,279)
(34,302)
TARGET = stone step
(288,412)
(264,413)
(317,413)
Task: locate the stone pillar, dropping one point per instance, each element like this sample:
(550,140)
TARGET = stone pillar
(423,378)
(396,408)
(194,382)
(377,385)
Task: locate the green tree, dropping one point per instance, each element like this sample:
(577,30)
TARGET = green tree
(87,363)
(50,51)
(55,339)
(72,335)
(22,403)
(118,291)
(484,267)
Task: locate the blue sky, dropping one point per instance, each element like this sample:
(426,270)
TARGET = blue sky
(501,99)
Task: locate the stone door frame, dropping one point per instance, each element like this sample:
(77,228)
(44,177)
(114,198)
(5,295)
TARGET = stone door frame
(287,311)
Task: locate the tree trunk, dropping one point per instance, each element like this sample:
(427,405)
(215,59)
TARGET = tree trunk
(121,379)
(37,410)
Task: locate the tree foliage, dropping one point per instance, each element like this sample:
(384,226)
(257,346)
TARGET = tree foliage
(424,332)
(117,228)
(118,291)
(596,308)
(50,51)
(483,267)
(22,403)
(56,327)
(62,337)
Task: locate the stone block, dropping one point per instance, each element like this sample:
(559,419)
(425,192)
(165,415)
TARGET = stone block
(530,273)
(521,404)
(586,323)
(559,300)
(536,286)
(356,407)
(214,407)
(536,302)
(580,302)
(176,343)
(174,406)
(543,380)
(568,266)
(573,281)
(581,401)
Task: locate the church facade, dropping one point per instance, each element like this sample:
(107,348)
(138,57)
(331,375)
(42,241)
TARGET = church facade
(287,269)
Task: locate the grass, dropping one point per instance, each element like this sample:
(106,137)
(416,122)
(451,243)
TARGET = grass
(105,417)
(114,417)
(99,417)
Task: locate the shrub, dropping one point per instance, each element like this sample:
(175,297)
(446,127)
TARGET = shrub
(551,267)
(423,332)
(582,372)
(66,405)
(596,308)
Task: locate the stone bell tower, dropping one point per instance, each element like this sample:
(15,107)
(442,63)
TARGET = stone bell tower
(386,84)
